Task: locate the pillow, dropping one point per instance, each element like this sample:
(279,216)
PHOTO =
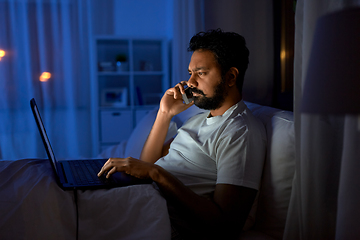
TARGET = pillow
(140,133)
(279,168)
(114,151)
(278,176)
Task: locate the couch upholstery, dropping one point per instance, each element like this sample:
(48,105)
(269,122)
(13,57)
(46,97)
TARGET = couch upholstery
(278,171)
(276,185)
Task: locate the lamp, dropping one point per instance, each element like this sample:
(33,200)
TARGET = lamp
(2,53)
(45,76)
(332,84)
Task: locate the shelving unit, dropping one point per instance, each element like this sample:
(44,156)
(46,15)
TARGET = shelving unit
(123,92)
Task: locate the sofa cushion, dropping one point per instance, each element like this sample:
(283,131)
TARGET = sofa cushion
(133,146)
(140,133)
(279,168)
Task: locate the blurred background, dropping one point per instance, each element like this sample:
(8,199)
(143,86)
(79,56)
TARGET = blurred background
(96,67)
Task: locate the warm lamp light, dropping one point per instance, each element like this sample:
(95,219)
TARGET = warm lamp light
(2,54)
(332,84)
(283,54)
(45,76)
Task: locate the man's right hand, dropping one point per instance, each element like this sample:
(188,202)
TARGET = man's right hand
(172,102)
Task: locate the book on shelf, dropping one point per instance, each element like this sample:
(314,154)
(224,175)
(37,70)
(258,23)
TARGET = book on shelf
(139,96)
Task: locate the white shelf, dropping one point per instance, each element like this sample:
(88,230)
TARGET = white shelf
(121,98)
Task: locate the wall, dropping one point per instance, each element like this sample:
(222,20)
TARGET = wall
(254,20)
(143,18)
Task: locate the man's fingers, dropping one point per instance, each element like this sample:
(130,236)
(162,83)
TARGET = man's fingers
(112,170)
(181,86)
(102,171)
(104,168)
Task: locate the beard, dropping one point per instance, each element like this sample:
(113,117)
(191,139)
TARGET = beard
(210,103)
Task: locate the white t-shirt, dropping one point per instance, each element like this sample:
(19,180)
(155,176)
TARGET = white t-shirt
(226,149)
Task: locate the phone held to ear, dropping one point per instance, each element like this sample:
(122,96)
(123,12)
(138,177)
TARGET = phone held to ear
(187,97)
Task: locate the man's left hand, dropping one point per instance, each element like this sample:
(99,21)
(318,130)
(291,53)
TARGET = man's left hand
(131,166)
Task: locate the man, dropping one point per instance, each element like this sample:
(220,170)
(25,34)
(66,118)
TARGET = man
(211,173)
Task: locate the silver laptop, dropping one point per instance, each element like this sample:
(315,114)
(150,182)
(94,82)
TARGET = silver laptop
(80,173)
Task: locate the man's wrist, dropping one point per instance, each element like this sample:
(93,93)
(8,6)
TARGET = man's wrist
(155,173)
(165,116)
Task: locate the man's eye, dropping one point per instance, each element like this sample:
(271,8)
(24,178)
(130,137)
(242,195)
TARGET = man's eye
(201,73)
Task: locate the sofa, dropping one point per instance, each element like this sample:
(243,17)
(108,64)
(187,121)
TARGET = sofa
(276,185)
(33,206)
(278,173)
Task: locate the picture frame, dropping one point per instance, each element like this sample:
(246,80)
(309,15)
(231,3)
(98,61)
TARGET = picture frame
(114,97)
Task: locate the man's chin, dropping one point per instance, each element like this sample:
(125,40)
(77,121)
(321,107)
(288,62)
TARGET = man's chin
(197,102)
(200,103)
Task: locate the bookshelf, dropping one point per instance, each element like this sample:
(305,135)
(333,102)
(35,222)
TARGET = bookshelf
(129,78)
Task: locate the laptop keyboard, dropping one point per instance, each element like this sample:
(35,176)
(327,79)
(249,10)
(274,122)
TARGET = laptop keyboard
(85,172)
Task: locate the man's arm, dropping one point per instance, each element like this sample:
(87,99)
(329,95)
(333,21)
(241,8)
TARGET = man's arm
(154,146)
(223,216)
(171,104)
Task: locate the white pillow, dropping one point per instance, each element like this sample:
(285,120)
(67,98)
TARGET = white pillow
(141,132)
(114,151)
(279,168)
(278,175)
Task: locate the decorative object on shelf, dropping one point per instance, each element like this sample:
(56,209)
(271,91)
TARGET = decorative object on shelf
(146,66)
(114,97)
(139,96)
(105,67)
(121,64)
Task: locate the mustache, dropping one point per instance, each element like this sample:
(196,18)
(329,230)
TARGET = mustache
(195,90)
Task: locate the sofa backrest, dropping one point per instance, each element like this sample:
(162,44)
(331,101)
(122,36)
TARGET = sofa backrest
(279,168)
(275,191)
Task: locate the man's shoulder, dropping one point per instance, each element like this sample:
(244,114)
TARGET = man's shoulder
(242,120)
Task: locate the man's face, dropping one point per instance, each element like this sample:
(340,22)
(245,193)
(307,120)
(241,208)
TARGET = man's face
(206,81)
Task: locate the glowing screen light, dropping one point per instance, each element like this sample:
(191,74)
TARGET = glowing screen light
(2,54)
(45,76)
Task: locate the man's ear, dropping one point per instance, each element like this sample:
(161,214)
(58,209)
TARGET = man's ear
(231,76)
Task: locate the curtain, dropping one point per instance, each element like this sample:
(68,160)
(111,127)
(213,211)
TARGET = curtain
(326,188)
(40,37)
(188,20)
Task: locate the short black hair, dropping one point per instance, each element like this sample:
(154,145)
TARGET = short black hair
(229,49)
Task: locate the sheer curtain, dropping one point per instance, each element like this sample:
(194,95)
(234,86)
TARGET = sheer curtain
(188,20)
(40,37)
(325,196)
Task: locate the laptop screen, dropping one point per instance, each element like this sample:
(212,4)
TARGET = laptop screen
(43,133)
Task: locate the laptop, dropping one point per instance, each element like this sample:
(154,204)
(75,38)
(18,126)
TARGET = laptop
(80,173)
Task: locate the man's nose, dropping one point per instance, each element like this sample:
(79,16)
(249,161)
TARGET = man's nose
(192,81)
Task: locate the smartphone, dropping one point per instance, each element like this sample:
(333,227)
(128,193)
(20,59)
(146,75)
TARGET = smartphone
(187,97)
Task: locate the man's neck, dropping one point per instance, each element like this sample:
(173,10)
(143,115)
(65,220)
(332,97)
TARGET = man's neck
(225,106)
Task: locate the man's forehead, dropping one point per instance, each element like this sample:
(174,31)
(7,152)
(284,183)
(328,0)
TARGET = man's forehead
(201,60)
(198,69)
